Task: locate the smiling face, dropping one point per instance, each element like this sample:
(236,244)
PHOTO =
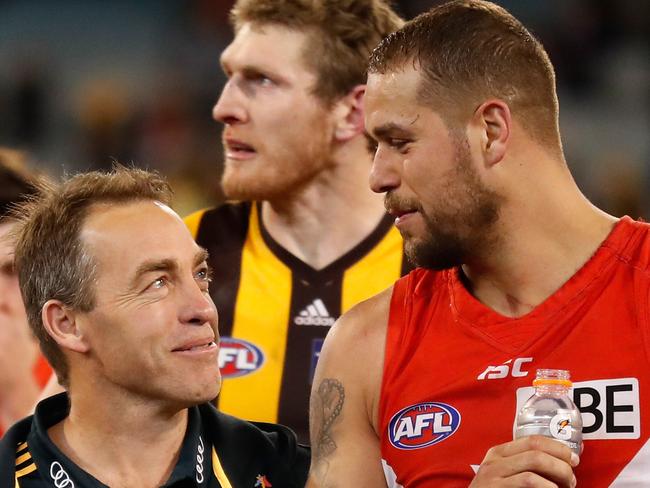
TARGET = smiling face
(277,134)
(153,331)
(443,210)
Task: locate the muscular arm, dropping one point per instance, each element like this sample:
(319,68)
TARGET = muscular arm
(344,400)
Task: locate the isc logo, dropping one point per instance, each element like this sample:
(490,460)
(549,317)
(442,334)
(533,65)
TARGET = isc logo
(422,425)
(509,368)
(238,357)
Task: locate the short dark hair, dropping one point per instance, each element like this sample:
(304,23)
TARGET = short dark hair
(342,34)
(50,257)
(16,182)
(469,51)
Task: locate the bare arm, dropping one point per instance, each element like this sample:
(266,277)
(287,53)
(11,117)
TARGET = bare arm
(344,400)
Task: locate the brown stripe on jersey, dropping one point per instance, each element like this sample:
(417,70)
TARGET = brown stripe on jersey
(222,232)
(320,297)
(307,332)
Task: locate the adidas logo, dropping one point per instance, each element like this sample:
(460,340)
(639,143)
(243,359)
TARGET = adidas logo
(315,314)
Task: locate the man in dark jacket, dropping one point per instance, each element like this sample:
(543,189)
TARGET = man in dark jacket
(117,293)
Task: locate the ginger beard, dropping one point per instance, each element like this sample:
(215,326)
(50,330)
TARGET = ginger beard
(279,168)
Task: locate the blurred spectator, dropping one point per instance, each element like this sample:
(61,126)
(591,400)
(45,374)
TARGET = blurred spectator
(89,82)
(23,371)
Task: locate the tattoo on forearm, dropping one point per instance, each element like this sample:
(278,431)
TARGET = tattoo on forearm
(326,408)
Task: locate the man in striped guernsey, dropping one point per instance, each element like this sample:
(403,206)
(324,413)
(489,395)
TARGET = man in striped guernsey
(116,291)
(311,240)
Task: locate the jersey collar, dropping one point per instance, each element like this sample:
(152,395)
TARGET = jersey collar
(192,469)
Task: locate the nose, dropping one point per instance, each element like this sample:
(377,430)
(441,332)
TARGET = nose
(230,108)
(384,174)
(197,308)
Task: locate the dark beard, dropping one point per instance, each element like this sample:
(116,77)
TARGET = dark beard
(461,229)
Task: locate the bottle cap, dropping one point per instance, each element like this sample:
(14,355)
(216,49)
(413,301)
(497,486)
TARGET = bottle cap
(552,381)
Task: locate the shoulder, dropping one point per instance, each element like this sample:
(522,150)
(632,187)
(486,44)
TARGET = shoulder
(261,445)
(363,324)
(351,361)
(208,223)
(8,447)
(637,250)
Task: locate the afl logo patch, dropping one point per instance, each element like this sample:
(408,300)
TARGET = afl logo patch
(422,425)
(238,357)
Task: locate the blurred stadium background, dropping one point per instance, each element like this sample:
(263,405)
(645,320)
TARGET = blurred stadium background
(88,81)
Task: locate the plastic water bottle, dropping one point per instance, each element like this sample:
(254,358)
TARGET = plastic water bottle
(550,412)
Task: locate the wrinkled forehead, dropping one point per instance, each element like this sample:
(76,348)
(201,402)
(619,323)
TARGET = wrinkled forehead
(119,235)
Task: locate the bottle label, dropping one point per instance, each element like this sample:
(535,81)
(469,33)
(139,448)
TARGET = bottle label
(560,426)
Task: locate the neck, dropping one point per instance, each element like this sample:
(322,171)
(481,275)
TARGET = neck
(121,441)
(544,236)
(329,216)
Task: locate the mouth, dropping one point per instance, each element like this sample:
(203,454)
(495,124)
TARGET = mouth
(238,150)
(401,214)
(197,347)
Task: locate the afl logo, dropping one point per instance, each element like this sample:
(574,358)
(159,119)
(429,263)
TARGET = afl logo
(238,357)
(422,425)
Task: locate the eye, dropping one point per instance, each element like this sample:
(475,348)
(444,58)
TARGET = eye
(159,283)
(264,80)
(398,144)
(259,79)
(204,276)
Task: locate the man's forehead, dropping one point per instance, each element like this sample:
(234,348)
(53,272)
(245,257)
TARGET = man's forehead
(263,45)
(128,223)
(399,83)
(390,97)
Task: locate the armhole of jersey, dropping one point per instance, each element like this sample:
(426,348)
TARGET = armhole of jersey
(218,471)
(193,221)
(397,318)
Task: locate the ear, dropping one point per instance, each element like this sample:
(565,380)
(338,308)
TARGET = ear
(349,114)
(494,121)
(63,326)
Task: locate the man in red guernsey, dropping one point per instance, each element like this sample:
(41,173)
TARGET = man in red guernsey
(420,385)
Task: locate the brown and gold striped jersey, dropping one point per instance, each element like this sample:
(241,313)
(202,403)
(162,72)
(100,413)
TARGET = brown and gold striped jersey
(275,310)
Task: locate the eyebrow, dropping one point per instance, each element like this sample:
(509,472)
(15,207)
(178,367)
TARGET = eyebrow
(167,265)
(390,128)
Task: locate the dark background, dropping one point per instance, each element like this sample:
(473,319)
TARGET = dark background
(85,82)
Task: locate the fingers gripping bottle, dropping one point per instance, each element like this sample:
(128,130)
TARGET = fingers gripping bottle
(550,412)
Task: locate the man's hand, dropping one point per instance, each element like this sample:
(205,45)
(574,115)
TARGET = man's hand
(533,461)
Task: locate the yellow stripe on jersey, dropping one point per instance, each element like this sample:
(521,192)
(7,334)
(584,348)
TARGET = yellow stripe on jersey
(218,471)
(192,222)
(22,458)
(25,471)
(263,301)
(374,273)
(21,447)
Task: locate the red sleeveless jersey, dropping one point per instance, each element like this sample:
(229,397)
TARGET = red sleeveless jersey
(456,372)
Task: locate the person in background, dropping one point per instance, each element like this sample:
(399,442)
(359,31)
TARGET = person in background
(117,293)
(23,369)
(421,385)
(308,240)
